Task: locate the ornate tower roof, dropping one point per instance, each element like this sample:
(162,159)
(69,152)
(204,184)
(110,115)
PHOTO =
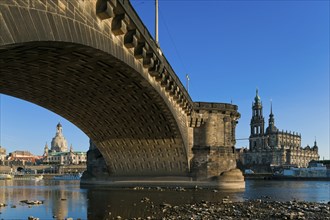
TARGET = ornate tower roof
(257,97)
(271,122)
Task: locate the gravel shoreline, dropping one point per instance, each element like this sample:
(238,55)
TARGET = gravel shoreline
(251,209)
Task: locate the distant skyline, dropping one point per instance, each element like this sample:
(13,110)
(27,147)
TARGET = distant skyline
(228,49)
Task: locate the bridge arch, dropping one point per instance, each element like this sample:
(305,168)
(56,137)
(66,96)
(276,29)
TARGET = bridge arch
(106,77)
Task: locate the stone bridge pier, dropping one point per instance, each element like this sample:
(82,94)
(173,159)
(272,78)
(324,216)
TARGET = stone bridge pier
(213,151)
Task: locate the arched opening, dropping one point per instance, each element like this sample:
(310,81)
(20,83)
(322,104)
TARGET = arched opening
(26,126)
(127,119)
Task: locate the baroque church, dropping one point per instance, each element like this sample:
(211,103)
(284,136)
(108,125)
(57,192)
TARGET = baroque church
(271,147)
(59,143)
(59,154)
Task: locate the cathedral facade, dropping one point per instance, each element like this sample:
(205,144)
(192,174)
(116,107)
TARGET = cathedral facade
(272,147)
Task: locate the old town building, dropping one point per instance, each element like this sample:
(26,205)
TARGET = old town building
(271,147)
(59,154)
(2,155)
(20,157)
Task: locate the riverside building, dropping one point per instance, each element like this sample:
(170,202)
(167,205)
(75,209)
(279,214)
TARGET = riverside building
(2,153)
(271,147)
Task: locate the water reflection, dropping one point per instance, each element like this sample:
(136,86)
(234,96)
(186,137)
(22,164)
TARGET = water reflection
(65,199)
(314,191)
(61,199)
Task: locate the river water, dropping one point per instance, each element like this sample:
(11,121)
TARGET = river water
(64,199)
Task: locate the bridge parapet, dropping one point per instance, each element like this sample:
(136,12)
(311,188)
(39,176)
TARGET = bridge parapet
(209,106)
(126,22)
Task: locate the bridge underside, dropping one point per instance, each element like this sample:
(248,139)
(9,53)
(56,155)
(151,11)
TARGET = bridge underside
(114,105)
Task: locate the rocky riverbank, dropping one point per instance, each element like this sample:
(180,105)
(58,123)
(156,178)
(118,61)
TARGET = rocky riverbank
(252,209)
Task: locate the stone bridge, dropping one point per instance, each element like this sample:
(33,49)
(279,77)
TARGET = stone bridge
(96,64)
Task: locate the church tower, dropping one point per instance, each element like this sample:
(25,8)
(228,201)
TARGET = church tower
(46,150)
(257,124)
(271,129)
(59,143)
(257,121)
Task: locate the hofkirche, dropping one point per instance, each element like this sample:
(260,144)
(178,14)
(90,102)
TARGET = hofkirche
(274,147)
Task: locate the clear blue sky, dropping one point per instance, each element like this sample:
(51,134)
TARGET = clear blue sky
(228,48)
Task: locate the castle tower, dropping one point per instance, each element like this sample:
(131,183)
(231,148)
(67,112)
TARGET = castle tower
(59,143)
(257,124)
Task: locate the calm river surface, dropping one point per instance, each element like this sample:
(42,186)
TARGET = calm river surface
(63,199)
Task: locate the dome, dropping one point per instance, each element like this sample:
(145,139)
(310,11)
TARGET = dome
(271,129)
(59,143)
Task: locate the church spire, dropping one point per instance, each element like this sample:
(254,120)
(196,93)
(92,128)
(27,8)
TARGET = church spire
(271,116)
(271,121)
(315,144)
(271,107)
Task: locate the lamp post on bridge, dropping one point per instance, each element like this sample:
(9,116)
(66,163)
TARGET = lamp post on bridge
(187,85)
(156,23)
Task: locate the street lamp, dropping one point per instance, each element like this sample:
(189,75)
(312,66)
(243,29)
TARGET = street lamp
(188,79)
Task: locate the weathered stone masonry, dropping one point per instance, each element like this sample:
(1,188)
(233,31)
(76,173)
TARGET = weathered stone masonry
(214,139)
